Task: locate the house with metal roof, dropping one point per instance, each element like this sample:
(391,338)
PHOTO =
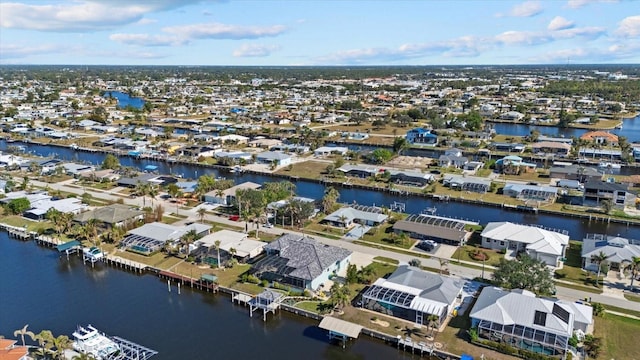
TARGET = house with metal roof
(421,137)
(152,236)
(228,196)
(575,172)
(430,227)
(360,214)
(546,245)
(39,208)
(413,294)
(274,157)
(467,183)
(244,247)
(596,191)
(530,192)
(618,251)
(110,215)
(301,261)
(519,319)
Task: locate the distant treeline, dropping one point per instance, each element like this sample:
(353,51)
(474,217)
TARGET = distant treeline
(622,90)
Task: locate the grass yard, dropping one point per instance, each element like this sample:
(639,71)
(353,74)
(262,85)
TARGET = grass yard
(19,221)
(170,219)
(465,254)
(572,270)
(325,230)
(386,260)
(311,306)
(384,235)
(619,337)
(630,297)
(309,169)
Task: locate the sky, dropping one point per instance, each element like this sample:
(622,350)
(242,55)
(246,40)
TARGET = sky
(319,32)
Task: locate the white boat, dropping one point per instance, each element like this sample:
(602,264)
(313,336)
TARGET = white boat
(74,146)
(609,165)
(92,254)
(90,341)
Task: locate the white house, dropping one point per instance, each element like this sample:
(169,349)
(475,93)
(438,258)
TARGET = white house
(228,196)
(541,244)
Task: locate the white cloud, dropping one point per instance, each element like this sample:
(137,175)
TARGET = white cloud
(591,32)
(522,38)
(146,39)
(13,51)
(223,31)
(577,4)
(612,54)
(81,15)
(255,50)
(525,9)
(629,27)
(560,23)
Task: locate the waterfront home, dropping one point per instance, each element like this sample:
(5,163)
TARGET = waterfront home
(411,178)
(512,116)
(274,158)
(519,319)
(618,251)
(231,138)
(153,179)
(452,161)
(575,172)
(276,205)
(110,215)
(530,192)
(301,261)
(467,183)
(562,140)
(619,194)
(421,137)
(473,166)
(413,294)
(196,151)
(606,154)
(234,157)
(75,170)
(514,165)
(508,147)
(330,150)
(227,197)
(360,171)
(600,138)
(291,148)
(264,143)
(550,147)
(10,160)
(360,214)
(39,208)
(10,351)
(152,237)
(243,247)
(437,228)
(548,246)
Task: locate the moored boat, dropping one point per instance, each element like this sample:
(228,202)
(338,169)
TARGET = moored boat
(90,341)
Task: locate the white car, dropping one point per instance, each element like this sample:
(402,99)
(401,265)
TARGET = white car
(267,225)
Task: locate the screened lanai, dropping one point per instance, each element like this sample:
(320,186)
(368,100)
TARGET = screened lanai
(523,337)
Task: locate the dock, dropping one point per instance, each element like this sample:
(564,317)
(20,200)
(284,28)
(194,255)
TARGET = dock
(125,264)
(420,347)
(205,283)
(268,301)
(340,329)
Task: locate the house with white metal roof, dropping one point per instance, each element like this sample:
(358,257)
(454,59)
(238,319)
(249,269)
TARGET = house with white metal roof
(361,214)
(228,196)
(244,247)
(519,319)
(152,236)
(541,244)
(413,294)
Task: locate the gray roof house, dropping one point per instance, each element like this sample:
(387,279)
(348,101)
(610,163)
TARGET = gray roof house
(617,249)
(413,294)
(110,215)
(467,183)
(301,261)
(522,320)
(151,237)
(274,157)
(452,160)
(429,227)
(530,192)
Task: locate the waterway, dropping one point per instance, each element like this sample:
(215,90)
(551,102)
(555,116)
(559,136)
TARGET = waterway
(630,129)
(577,228)
(47,292)
(125,100)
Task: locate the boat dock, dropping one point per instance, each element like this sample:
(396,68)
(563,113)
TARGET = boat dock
(131,351)
(125,264)
(420,347)
(206,282)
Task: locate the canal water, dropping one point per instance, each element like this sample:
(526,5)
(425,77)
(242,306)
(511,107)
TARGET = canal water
(125,100)
(630,129)
(577,228)
(47,292)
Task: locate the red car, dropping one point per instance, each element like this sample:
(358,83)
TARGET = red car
(234,217)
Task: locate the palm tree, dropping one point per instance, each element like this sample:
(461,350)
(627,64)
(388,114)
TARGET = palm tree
(403,237)
(152,191)
(343,219)
(22,332)
(45,342)
(187,239)
(216,244)
(434,322)
(84,356)
(340,295)
(65,220)
(61,343)
(202,212)
(331,195)
(606,205)
(599,259)
(141,190)
(634,267)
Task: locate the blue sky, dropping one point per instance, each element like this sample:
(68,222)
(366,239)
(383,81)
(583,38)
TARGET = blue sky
(309,32)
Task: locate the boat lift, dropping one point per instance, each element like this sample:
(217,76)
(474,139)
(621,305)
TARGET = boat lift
(130,350)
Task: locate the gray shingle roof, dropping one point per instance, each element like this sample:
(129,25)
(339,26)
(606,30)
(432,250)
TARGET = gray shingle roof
(433,286)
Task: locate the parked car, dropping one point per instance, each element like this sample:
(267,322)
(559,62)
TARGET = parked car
(234,217)
(267,225)
(427,245)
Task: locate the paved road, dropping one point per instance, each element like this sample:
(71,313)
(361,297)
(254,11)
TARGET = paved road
(455,270)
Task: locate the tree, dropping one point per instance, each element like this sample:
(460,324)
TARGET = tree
(18,206)
(202,213)
(216,245)
(599,259)
(25,183)
(187,239)
(606,205)
(45,342)
(110,162)
(329,199)
(524,273)
(61,343)
(381,156)
(340,295)
(634,267)
(400,144)
(592,345)
(22,332)
(173,190)
(352,274)
(434,322)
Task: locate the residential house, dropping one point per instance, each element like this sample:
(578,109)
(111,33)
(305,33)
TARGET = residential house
(548,246)
(41,202)
(265,143)
(421,137)
(413,294)
(530,192)
(595,191)
(291,148)
(360,214)
(151,237)
(575,172)
(10,351)
(301,261)
(452,158)
(467,183)
(618,251)
(330,150)
(550,147)
(74,169)
(227,197)
(159,180)
(437,228)
(110,215)
(520,319)
(274,158)
(600,137)
(508,147)
(512,116)
(514,165)
(411,178)
(234,157)
(604,154)
(244,247)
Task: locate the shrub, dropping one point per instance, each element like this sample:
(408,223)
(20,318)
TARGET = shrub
(264,283)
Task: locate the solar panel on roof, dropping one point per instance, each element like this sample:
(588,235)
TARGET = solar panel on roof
(561,313)
(540,318)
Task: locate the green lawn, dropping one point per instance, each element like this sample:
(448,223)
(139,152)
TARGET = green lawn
(386,260)
(572,270)
(465,254)
(384,235)
(619,337)
(19,221)
(630,297)
(311,306)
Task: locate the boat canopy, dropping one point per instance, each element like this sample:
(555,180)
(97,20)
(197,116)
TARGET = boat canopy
(68,245)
